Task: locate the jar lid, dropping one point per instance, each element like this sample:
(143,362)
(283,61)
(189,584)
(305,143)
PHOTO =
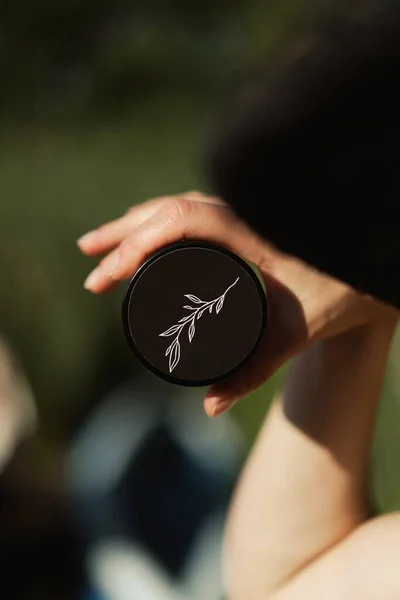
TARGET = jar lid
(194,313)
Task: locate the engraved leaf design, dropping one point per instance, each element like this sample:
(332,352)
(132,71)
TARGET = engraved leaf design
(174,349)
(170,331)
(194,299)
(184,319)
(174,356)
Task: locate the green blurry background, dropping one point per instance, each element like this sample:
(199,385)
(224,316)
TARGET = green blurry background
(104,104)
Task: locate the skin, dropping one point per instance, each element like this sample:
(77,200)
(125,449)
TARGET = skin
(305,305)
(299,525)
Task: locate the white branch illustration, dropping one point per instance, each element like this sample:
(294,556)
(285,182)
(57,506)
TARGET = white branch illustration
(174,350)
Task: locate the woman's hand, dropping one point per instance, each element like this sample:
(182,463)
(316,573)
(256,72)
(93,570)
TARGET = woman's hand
(305,305)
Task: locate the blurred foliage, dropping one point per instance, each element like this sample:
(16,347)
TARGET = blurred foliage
(69,59)
(55,186)
(104,104)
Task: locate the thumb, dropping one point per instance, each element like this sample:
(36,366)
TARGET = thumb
(285,336)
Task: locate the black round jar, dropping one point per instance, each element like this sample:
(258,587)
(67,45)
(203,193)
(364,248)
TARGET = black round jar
(194,313)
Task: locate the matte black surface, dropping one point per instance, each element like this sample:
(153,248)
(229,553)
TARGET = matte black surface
(220,296)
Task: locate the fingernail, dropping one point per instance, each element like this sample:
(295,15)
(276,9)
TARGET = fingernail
(220,407)
(92,279)
(113,264)
(88,237)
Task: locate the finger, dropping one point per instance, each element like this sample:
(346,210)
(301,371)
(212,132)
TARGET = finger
(108,236)
(205,199)
(100,279)
(285,335)
(176,220)
(223,396)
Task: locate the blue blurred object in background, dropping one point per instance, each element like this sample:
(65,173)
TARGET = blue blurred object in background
(93,594)
(149,477)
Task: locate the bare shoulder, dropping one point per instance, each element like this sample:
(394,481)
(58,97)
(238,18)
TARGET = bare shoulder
(377,542)
(364,566)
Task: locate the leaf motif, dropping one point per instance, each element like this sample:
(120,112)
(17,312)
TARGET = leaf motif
(200,313)
(220,304)
(174,350)
(174,356)
(185,319)
(170,331)
(194,299)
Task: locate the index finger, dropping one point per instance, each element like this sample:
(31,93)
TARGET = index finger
(176,220)
(108,236)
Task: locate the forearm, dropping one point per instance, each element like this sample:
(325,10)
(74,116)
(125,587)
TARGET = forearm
(304,487)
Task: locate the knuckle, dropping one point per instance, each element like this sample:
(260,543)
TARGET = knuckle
(177,210)
(183,208)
